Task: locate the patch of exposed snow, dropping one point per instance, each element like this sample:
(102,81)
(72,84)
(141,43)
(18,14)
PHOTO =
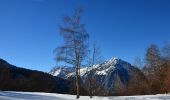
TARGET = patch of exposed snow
(103,72)
(56,73)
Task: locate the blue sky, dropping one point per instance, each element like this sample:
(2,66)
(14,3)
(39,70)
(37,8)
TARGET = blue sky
(122,28)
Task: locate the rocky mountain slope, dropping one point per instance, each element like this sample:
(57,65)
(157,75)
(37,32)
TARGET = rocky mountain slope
(110,75)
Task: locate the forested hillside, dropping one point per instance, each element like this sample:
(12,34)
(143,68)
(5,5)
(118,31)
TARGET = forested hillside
(13,78)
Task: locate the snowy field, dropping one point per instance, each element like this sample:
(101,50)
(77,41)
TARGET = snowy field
(8,95)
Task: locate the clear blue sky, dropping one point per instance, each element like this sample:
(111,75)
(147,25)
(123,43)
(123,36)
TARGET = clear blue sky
(122,28)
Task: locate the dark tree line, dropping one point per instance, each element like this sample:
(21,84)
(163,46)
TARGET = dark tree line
(19,79)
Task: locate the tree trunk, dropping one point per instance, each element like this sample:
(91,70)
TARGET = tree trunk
(91,84)
(77,83)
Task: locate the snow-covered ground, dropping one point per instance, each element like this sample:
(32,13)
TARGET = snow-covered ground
(8,95)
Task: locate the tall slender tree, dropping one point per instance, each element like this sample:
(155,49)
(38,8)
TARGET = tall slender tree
(75,47)
(153,59)
(138,62)
(155,65)
(94,59)
(166,51)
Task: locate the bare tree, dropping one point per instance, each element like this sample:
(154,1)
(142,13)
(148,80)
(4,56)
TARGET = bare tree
(153,58)
(94,59)
(166,51)
(166,67)
(155,75)
(138,62)
(74,49)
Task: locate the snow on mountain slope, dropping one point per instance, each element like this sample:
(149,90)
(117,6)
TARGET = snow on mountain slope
(61,71)
(9,95)
(101,69)
(109,74)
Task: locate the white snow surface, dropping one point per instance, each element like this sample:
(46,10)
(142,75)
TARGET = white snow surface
(11,95)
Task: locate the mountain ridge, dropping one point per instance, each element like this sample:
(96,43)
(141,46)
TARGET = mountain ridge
(109,74)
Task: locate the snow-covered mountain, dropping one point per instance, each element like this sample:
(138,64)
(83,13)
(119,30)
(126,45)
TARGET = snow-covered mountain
(61,71)
(111,74)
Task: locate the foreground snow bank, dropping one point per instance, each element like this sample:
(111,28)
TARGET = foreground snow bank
(9,95)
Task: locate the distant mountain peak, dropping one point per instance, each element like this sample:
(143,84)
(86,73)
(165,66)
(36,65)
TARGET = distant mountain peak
(108,74)
(100,69)
(61,71)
